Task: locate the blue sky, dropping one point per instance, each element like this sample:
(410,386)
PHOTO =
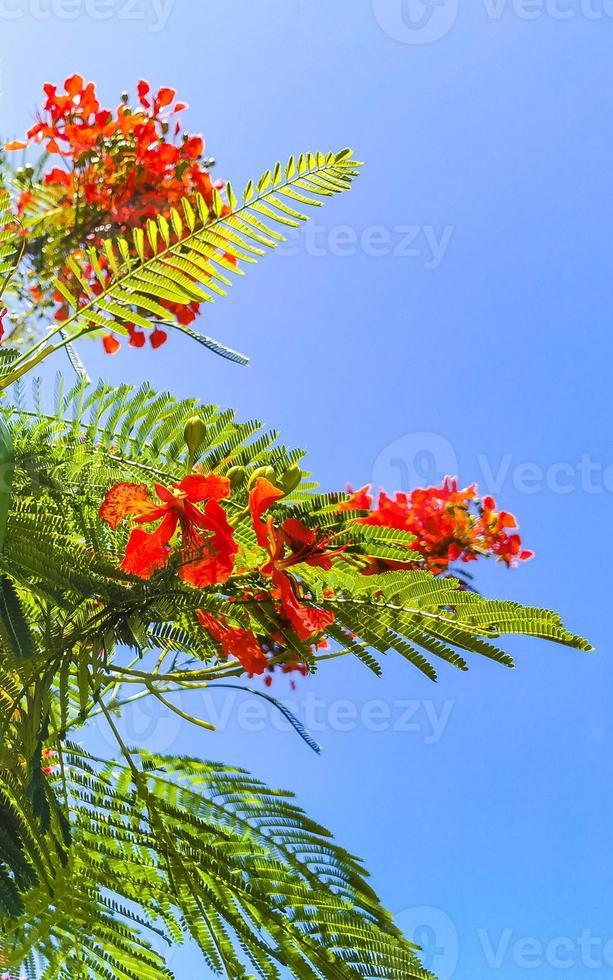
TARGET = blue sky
(451,313)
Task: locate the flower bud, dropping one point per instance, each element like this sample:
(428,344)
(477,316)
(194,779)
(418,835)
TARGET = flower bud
(236,475)
(194,433)
(266,472)
(291,478)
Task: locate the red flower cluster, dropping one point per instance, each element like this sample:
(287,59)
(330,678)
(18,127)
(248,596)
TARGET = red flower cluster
(448,524)
(118,170)
(209,560)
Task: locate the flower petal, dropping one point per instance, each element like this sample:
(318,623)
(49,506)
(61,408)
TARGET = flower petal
(125,500)
(212,487)
(262,496)
(110,343)
(306,621)
(243,645)
(157,337)
(239,643)
(213,561)
(148,552)
(359,500)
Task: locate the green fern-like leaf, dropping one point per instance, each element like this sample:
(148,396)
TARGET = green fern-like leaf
(11,246)
(192,256)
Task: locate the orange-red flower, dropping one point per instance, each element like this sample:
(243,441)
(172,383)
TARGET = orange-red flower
(110,343)
(205,560)
(290,544)
(119,168)
(448,525)
(358,500)
(157,338)
(137,337)
(236,642)
(494,527)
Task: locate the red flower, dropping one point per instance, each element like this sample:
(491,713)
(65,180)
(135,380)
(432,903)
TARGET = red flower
(137,337)
(239,643)
(494,527)
(157,337)
(143,88)
(205,560)
(193,147)
(110,343)
(306,621)
(122,168)
(289,545)
(448,525)
(358,500)
(304,545)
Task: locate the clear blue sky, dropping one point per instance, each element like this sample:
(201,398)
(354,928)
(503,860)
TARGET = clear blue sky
(486,329)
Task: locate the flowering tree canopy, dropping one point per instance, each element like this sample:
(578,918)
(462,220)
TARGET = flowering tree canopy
(151,546)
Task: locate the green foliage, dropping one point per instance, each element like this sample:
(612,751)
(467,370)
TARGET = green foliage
(215,855)
(11,248)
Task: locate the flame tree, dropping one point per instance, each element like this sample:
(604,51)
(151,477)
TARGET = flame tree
(151,546)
